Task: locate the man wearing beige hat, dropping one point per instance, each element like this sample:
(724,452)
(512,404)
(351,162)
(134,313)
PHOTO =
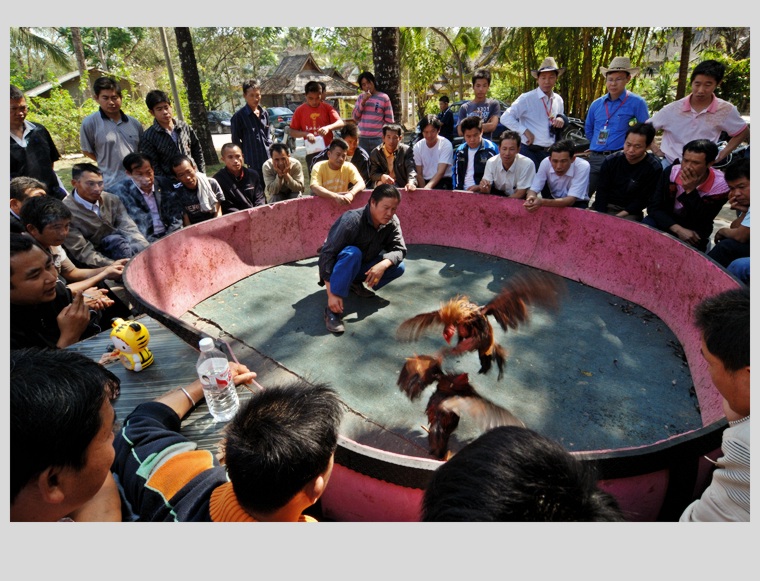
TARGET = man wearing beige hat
(610,116)
(538,114)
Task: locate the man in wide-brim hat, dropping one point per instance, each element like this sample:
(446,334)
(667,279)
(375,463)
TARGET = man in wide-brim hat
(611,115)
(538,115)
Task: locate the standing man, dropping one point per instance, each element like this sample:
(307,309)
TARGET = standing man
(699,115)
(109,134)
(538,114)
(101,229)
(629,178)
(168,137)
(509,173)
(610,116)
(485,108)
(150,199)
(335,178)
(33,152)
(688,199)
(392,162)
(372,111)
(724,324)
(250,127)
(241,186)
(446,117)
(364,245)
(433,156)
(470,158)
(314,118)
(566,177)
(283,175)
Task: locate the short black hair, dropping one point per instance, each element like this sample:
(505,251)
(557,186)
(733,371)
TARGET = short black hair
(230,145)
(723,320)
(20,185)
(472,122)
(385,191)
(156,97)
(313,87)
(737,170)
(79,168)
(395,127)
(16,93)
(40,211)
(338,142)
(350,129)
(178,159)
(709,148)
(481,74)
(366,75)
(106,84)
(562,145)
(430,120)
(709,68)
(135,158)
(509,134)
(444,98)
(251,84)
(645,129)
(279,147)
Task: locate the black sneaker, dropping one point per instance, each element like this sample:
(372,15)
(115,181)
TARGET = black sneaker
(333,321)
(361,291)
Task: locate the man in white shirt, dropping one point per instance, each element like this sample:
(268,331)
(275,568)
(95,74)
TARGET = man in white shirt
(566,177)
(537,114)
(509,173)
(433,156)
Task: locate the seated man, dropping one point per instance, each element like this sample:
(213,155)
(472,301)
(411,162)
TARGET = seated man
(150,200)
(732,243)
(433,156)
(283,175)
(364,245)
(61,438)
(168,137)
(336,179)
(627,179)
(22,188)
(565,177)
(47,220)
(200,196)
(356,154)
(471,156)
(510,173)
(724,322)
(278,456)
(512,474)
(690,196)
(101,229)
(43,313)
(392,162)
(240,185)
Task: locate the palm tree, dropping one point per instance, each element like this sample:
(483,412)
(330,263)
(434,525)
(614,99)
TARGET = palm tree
(26,38)
(385,57)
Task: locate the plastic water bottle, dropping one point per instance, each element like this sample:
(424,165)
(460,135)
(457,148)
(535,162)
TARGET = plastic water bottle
(216,377)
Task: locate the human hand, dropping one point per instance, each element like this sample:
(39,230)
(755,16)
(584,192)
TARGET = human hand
(335,303)
(72,321)
(115,270)
(532,203)
(689,179)
(558,122)
(241,374)
(410,187)
(688,236)
(344,199)
(386,179)
(474,188)
(310,138)
(374,274)
(529,137)
(322,131)
(97,299)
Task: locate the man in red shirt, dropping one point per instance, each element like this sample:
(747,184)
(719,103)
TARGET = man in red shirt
(314,118)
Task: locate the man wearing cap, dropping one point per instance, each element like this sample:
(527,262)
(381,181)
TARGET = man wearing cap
(446,117)
(610,116)
(538,114)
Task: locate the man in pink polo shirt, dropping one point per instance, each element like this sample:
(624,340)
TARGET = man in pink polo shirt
(700,115)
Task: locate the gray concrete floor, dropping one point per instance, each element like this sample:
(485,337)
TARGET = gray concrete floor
(601,373)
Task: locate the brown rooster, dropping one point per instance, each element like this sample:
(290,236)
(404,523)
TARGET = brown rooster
(470,322)
(453,397)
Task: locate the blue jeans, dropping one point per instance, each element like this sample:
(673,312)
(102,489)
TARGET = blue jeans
(350,268)
(740,269)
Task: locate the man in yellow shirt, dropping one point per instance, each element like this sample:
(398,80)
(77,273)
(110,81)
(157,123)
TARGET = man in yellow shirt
(335,178)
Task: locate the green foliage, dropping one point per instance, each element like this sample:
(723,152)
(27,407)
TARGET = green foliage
(659,89)
(61,117)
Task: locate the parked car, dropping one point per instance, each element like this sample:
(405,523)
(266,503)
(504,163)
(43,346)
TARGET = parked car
(279,124)
(219,121)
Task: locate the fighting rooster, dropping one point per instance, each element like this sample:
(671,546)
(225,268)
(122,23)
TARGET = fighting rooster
(453,397)
(470,321)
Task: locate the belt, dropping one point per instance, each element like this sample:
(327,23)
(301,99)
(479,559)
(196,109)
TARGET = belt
(537,148)
(606,152)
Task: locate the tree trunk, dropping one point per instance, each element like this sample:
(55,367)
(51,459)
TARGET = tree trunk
(192,81)
(76,39)
(385,56)
(683,69)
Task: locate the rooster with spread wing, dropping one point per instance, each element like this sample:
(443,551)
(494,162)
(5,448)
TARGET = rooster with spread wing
(454,396)
(470,322)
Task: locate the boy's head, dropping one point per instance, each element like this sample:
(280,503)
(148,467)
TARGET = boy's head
(160,106)
(737,178)
(472,131)
(47,219)
(515,474)
(313,92)
(61,431)
(232,157)
(481,81)
(279,447)
(724,323)
(23,187)
(350,133)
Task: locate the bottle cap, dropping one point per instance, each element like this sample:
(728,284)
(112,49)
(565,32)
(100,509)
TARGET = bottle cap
(206,344)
